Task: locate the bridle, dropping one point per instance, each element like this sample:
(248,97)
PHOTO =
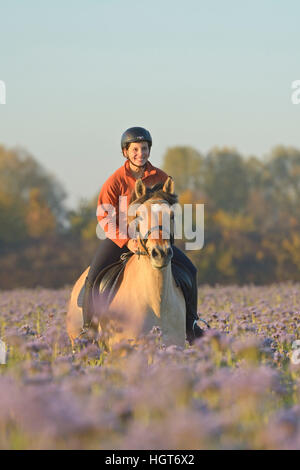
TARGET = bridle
(143,238)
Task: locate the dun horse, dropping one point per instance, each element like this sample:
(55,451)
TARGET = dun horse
(148,295)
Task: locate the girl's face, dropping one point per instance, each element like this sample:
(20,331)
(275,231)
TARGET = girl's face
(138,153)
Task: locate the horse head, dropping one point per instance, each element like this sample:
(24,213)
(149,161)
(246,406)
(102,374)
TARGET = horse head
(154,221)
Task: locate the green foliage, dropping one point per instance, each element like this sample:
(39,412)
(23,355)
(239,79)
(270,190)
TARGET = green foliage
(31,199)
(252,218)
(185,165)
(226,180)
(12,218)
(83,220)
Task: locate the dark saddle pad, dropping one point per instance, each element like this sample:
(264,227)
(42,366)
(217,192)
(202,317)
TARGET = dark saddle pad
(109,279)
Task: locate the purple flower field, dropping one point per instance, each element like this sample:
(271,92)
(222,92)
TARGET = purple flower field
(236,388)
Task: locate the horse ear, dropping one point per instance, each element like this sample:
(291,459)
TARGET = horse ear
(169,185)
(140,188)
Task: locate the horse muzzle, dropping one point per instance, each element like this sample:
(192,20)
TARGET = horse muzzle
(160,256)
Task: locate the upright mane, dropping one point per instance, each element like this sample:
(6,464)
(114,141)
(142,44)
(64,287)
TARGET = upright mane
(155,191)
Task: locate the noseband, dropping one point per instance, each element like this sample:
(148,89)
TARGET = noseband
(144,239)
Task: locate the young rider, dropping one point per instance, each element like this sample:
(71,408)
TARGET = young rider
(136,144)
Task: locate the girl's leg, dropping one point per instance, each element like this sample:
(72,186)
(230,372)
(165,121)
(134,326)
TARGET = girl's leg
(191,298)
(107,253)
(181,258)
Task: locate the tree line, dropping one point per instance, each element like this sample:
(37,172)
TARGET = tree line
(252,218)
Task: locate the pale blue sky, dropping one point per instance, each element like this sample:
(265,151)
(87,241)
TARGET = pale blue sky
(200,73)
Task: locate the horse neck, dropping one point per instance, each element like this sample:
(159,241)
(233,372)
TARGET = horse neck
(154,286)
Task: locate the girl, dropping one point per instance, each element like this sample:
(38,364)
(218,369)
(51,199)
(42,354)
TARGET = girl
(136,144)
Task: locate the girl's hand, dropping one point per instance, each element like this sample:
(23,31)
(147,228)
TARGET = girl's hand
(132,244)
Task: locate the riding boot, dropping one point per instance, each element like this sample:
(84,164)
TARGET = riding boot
(193,331)
(87,305)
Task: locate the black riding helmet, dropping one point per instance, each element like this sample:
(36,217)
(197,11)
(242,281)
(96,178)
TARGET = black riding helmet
(135,134)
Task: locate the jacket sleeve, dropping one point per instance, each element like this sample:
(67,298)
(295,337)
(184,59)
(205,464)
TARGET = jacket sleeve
(108,212)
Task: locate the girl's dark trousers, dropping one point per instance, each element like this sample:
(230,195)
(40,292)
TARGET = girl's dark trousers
(108,252)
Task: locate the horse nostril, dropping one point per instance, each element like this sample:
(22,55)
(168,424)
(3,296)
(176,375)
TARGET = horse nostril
(158,252)
(154,253)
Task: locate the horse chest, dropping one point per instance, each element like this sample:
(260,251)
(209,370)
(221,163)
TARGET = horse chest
(139,316)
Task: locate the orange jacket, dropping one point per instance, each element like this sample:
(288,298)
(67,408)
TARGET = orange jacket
(122,183)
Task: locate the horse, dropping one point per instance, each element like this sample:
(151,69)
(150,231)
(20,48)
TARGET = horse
(148,295)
